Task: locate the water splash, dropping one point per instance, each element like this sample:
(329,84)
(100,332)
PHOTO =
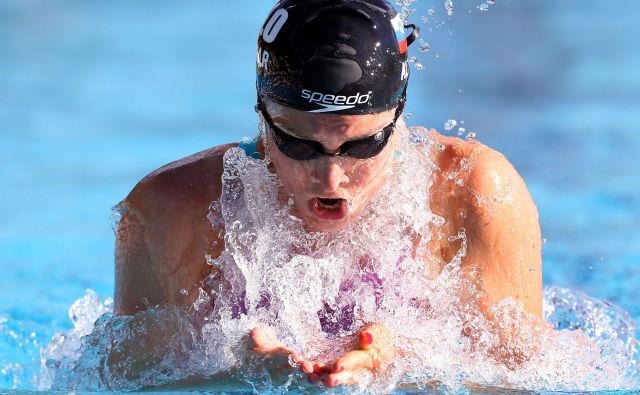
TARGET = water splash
(316,290)
(450,124)
(424,46)
(63,350)
(448,6)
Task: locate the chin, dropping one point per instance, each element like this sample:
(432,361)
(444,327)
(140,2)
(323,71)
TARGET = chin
(326,226)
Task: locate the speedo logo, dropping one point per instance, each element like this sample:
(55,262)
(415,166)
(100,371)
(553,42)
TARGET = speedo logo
(335,102)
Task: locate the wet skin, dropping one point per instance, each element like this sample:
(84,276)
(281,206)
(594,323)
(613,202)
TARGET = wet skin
(164,234)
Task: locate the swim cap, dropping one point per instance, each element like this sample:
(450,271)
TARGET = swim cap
(338,56)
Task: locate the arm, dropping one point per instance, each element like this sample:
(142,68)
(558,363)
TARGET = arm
(165,234)
(504,257)
(503,231)
(136,284)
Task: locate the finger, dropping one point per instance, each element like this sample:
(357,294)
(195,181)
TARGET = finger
(377,341)
(265,342)
(376,336)
(273,351)
(321,368)
(305,365)
(267,345)
(366,339)
(354,360)
(264,338)
(346,377)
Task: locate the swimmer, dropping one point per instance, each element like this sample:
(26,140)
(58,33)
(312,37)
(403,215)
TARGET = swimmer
(332,77)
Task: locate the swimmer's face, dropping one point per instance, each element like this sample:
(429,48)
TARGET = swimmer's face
(330,191)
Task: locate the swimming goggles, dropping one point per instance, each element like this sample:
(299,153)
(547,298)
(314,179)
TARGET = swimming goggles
(301,149)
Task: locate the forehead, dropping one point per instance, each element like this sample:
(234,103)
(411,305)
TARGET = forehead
(321,126)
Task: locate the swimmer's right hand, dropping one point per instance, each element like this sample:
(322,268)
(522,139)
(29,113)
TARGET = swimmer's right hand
(267,344)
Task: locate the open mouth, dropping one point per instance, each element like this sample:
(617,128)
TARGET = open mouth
(329,209)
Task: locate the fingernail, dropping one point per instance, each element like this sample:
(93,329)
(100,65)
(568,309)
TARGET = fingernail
(367,338)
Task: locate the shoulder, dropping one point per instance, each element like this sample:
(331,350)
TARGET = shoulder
(497,188)
(165,234)
(488,176)
(501,223)
(184,181)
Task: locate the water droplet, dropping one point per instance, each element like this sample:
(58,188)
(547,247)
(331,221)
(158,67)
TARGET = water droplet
(417,137)
(408,115)
(459,90)
(491,2)
(431,11)
(424,20)
(459,182)
(462,214)
(450,124)
(413,59)
(544,241)
(483,7)
(471,136)
(448,5)
(590,267)
(424,46)
(461,131)
(184,292)
(441,147)
(377,44)
(419,66)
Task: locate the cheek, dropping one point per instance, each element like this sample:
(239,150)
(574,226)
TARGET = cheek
(367,173)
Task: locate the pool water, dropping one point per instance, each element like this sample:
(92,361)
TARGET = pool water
(94,95)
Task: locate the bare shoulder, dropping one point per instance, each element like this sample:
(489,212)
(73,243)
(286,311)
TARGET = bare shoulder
(164,233)
(180,181)
(486,173)
(499,217)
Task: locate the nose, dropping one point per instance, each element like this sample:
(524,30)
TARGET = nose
(329,175)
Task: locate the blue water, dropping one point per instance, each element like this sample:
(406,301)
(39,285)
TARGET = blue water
(94,95)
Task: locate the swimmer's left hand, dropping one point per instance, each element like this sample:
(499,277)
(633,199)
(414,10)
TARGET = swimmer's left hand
(375,354)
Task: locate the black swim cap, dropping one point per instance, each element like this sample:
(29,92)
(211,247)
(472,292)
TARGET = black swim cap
(342,56)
